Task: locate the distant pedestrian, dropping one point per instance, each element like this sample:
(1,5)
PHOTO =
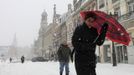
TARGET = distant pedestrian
(22,59)
(64,54)
(10,59)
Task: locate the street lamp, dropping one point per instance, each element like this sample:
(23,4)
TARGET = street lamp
(114,55)
(115,15)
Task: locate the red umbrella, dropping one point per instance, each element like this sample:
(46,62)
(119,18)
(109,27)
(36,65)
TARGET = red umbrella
(115,33)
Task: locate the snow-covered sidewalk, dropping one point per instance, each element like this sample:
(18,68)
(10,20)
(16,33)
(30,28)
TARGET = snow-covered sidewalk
(52,68)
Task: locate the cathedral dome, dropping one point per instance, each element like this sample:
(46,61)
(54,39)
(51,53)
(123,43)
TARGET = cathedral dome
(44,13)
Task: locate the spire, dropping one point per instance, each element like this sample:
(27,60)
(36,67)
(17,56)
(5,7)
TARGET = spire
(13,48)
(14,43)
(54,15)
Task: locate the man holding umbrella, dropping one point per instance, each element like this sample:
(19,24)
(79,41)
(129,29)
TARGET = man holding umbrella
(95,27)
(84,41)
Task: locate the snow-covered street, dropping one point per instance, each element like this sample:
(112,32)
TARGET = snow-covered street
(52,68)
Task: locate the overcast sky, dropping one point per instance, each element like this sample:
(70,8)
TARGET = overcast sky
(23,17)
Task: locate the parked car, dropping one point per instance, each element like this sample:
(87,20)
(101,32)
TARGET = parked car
(39,59)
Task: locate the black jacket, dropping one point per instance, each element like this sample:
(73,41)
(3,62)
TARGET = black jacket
(84,41)
(64,53)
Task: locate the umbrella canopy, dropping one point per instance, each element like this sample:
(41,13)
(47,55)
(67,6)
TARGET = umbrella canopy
(116,32)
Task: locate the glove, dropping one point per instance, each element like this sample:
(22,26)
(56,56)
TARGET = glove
(100,39)
(72,55)
(104,28)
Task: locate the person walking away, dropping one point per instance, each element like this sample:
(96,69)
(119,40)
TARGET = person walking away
(10,59)
(64,53)
(22,59)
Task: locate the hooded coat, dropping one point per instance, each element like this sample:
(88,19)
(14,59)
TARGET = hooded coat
(64,53)
(84,41)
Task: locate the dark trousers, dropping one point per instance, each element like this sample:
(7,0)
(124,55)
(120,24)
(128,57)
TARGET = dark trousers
(85,65)
(85,69)
(22,61)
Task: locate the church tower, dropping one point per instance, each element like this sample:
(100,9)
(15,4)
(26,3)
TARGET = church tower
(44,22)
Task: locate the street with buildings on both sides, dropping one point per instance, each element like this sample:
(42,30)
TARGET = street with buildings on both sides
(61,29)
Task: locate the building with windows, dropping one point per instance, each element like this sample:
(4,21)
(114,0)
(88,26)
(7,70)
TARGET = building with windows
(124,11)
(69,24)
(39,43)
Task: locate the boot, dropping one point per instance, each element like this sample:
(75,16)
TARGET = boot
(67,73)
(60,73)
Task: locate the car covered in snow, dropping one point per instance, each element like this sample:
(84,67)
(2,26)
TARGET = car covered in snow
(39,59)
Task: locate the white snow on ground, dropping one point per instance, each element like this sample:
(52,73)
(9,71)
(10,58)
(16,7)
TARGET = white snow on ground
(52,68)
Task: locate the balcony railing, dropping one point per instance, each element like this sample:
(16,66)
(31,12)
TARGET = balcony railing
(113,1)
(125,18)
(77,5)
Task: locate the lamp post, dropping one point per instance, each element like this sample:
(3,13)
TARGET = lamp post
(113,46)
(114,55)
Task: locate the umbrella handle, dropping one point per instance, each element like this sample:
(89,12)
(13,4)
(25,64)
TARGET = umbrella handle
(103,32)
(95,40)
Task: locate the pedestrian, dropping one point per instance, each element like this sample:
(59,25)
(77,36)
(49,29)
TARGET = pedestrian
(84,40)
(22,59)
(64,53)
(10,59)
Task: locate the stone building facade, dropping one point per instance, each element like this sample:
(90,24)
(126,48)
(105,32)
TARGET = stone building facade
(124,10)
(63,26)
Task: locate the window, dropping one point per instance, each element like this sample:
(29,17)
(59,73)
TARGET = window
(131,1)
(101,3)
(133,7)
(113,1)
(130,8)
(117,10)
(83,0)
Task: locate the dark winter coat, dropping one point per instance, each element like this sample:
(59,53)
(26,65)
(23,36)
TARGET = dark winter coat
(64,53)
(84,43)
(22,59)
